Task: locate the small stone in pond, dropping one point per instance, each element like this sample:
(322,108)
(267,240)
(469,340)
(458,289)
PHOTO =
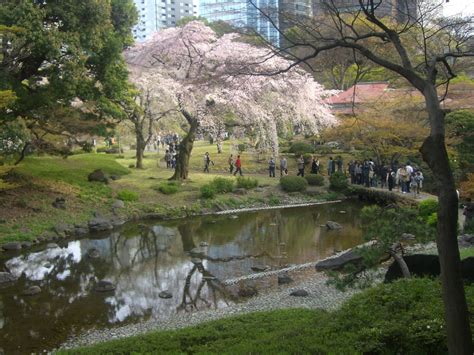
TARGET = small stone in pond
(93,253)
(51,246)
(104,286)
(203,244)
(299,293)
(26,245)
(259,268)
(342,212)
(165,295)
(209,277)
(234,216)
(196,261)
(31,291)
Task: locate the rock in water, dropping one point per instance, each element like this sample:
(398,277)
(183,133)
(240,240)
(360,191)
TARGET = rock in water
(6,277)
(100,224)
(284,279)
(93,253)
(165,295)
(52,246)
(299,293)
(104,286)
(26,245)
(333,225)
(98,175)
(31,291)
(12,246)
(259,268)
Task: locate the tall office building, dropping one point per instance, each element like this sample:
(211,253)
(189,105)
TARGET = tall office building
(399,10)
(254,15)
(154,15)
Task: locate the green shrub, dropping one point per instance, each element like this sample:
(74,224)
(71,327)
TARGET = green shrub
(169,188)
(404,317)
(246,182)
(427,207)
(432,220)
(208,191)
(315,179)
(242,147)
(293,183)
(273,200)
(127,195)
(222,185)
(301,148)
(338,182)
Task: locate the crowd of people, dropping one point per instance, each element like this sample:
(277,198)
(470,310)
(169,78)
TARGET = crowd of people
(404,177)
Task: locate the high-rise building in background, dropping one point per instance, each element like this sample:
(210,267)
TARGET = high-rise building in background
(233,12)
(269,18)
(153,15)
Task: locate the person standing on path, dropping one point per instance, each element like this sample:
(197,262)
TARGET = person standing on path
(238,166)
(231,163)
(300,166)
(390,178)
(283,166)
(271,167)
(330,166)
(314,166)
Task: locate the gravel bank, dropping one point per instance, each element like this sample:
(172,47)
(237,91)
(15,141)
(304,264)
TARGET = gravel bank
(320,296)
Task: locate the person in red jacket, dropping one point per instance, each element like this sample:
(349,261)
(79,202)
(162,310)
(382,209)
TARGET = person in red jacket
(238,166)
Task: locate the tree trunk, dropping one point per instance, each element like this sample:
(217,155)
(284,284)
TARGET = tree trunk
(455,305)
(399,259)
(185,148)
(140,149)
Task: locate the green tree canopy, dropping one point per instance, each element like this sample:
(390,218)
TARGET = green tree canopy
(61,65)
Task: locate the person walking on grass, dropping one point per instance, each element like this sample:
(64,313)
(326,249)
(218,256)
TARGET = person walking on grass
(207,162)
(300,163)
(238,166)
(283,166)
(231,163)
(271,167)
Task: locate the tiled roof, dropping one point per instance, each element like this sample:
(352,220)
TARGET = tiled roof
(359,94)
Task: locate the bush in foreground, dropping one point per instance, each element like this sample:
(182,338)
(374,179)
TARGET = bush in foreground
(338,182)
(315,179)
(293,183)
(169,188)
(246,183)
(208,191)
(223,185)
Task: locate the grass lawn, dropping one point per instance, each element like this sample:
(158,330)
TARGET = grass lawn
(28,190)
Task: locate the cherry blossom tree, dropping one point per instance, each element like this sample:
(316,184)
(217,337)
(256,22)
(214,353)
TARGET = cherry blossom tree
(201,75)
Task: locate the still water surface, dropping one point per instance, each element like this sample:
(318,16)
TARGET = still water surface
(189,258)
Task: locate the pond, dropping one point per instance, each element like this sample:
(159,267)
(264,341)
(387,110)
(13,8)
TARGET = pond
(191,259)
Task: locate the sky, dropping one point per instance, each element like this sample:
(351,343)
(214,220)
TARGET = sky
(459,7)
